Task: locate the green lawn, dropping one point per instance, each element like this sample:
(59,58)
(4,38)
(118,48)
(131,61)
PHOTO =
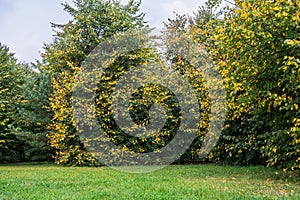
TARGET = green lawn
(174,182)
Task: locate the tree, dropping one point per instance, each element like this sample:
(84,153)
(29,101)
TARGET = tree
(257,47)
(12,77)
(92,22)
(23,113)
(239,143)
(175,37)
(36,115)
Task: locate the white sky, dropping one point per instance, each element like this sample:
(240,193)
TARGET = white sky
(25,24)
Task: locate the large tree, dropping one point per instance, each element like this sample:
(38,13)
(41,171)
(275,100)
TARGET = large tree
(240,142)
(258,54)
(255,46)
(93,21)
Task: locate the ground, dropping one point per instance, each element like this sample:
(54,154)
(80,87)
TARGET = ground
(173,182)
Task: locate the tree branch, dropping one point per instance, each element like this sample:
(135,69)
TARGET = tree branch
(230,2)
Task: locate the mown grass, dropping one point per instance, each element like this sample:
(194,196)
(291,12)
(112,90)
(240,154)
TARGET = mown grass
(173,182)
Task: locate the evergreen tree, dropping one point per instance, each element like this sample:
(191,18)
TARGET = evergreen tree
(12,78)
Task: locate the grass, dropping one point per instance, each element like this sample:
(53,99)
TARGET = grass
(172,182)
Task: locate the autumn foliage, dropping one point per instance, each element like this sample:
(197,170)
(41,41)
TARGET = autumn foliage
(255,46)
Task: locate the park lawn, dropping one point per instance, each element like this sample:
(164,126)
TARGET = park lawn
(173,182)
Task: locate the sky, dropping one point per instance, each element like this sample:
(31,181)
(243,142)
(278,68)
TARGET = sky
(25,24)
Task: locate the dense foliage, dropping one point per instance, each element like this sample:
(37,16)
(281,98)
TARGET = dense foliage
(23,116)
(92,22)
(256,49)
(11,81)
(258,53)
(255,46)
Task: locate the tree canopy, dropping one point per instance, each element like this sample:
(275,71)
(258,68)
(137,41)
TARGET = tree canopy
(255,46)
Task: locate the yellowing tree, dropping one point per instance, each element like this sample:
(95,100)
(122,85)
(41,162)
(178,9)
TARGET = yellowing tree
(92,22)
(258,51)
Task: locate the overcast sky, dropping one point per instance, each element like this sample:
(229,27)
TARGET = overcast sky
(25,24)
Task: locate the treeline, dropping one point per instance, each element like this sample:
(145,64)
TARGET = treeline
(255,46)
